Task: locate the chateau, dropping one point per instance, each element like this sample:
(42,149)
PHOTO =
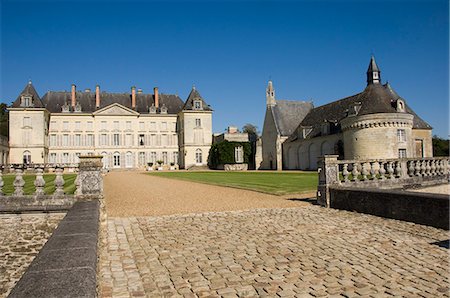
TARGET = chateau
(129,130)
(374,124)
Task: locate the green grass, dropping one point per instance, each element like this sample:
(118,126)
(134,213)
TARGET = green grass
(277,183)
(29,188)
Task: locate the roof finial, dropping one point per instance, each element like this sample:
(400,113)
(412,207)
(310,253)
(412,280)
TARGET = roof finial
(193,86)
(29,81)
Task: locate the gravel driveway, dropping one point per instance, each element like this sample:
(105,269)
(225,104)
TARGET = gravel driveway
(137,194)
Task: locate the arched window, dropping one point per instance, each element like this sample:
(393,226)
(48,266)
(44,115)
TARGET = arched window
(27,157)
(198,156)
(105,160)
(116,159)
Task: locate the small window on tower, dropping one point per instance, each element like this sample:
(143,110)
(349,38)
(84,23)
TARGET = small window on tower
(197,105)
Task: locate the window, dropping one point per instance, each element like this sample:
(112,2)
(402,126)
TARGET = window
(198,122)
(164,126)
(26,101)
(153,157)
(65,140)
(116,160)
(129,160)
(128,140)
(198,156)
(173,126)
(27,157)
(65,158)
(65,125)
(401,135)
(52,140)
(52,158)
(175,157)
(103,125)
(164,157)
(197,104)
(152,126)
(90,126)
(141,125)
(153,140)
(116,139)
(27,121)
(77,140)
(116,125)
(401,153)
(128,125)
(142,158)
(90,140)
(164,140)
(141,140)
(53,125)
(103,140)
(77,125)
(105,160)
(239,154)
(77,157)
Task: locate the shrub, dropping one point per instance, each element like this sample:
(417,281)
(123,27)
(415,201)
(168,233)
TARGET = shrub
(223,153)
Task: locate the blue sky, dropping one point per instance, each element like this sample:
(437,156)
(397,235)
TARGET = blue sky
(312,50)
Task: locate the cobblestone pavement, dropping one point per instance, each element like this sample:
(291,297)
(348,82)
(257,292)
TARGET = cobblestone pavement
(290,252)
(21,238)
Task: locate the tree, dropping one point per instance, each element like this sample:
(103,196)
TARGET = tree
(440,146)
(252,131)
(4,119)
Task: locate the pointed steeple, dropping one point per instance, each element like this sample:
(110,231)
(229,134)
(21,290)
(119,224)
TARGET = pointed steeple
(373,72)
(270,94)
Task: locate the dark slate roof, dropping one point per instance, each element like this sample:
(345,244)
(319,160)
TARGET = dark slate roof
(373,65)
(287,115)
(54,101)
(376,98)
(188,105)
(30,91)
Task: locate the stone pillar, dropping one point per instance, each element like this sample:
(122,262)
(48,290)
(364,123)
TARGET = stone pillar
(328,175)
(90,179)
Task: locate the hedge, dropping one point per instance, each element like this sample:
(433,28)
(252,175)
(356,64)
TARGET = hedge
(223,153)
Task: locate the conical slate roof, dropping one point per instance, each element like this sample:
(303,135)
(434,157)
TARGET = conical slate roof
(373,65)
(29,91)
(195,95)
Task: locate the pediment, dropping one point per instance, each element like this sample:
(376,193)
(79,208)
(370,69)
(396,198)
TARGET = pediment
(116,109)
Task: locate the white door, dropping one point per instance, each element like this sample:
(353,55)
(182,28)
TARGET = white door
(129,160)
(116,160)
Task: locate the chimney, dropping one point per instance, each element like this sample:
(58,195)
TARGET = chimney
(133,97)
(97,96)
(74,99)
(155,91)
(87,90)
(139,91)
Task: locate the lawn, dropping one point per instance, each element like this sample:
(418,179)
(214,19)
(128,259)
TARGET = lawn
(29,188)
(277,183)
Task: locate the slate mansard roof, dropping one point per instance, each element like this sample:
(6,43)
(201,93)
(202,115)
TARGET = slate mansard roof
(287,114)
(53,101)
(376,98)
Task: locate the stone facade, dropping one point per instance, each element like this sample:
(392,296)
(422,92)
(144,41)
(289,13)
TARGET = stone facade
(376,123)
(128,130)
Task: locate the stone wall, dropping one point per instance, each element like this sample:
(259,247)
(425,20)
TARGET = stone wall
(421,208)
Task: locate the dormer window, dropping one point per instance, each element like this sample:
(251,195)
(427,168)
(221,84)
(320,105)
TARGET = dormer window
(400,105)
(78,107)
(152,109)
(197,104)
(65,108)
(26,101)
(163,109)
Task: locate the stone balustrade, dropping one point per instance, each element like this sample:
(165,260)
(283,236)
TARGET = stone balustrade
(380,173)
(89,185)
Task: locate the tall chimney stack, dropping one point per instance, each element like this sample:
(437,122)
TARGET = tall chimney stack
(74,99)
(155,91)
(97,96)
(133,97)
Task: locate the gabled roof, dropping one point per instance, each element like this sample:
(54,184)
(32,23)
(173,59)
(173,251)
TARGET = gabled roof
(195,95)
(376,98)
(30,91)
(287,115)
(54,101)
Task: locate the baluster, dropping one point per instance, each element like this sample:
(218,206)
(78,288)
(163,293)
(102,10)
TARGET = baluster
(39,182)
(373,171)
(18,183)
(411,168)
(382,171)
(355,172)
(423,168)
(438,167)
(445,162)
(433,167)
(417,168)
(390,169)
(345,172)
(59,182)
(364,171)
(398,170)
(1,183)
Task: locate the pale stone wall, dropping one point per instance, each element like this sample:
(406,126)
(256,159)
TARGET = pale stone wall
(28,132)
(194,139)
(4,150)
(375,136)
(425,135)
(303,154)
